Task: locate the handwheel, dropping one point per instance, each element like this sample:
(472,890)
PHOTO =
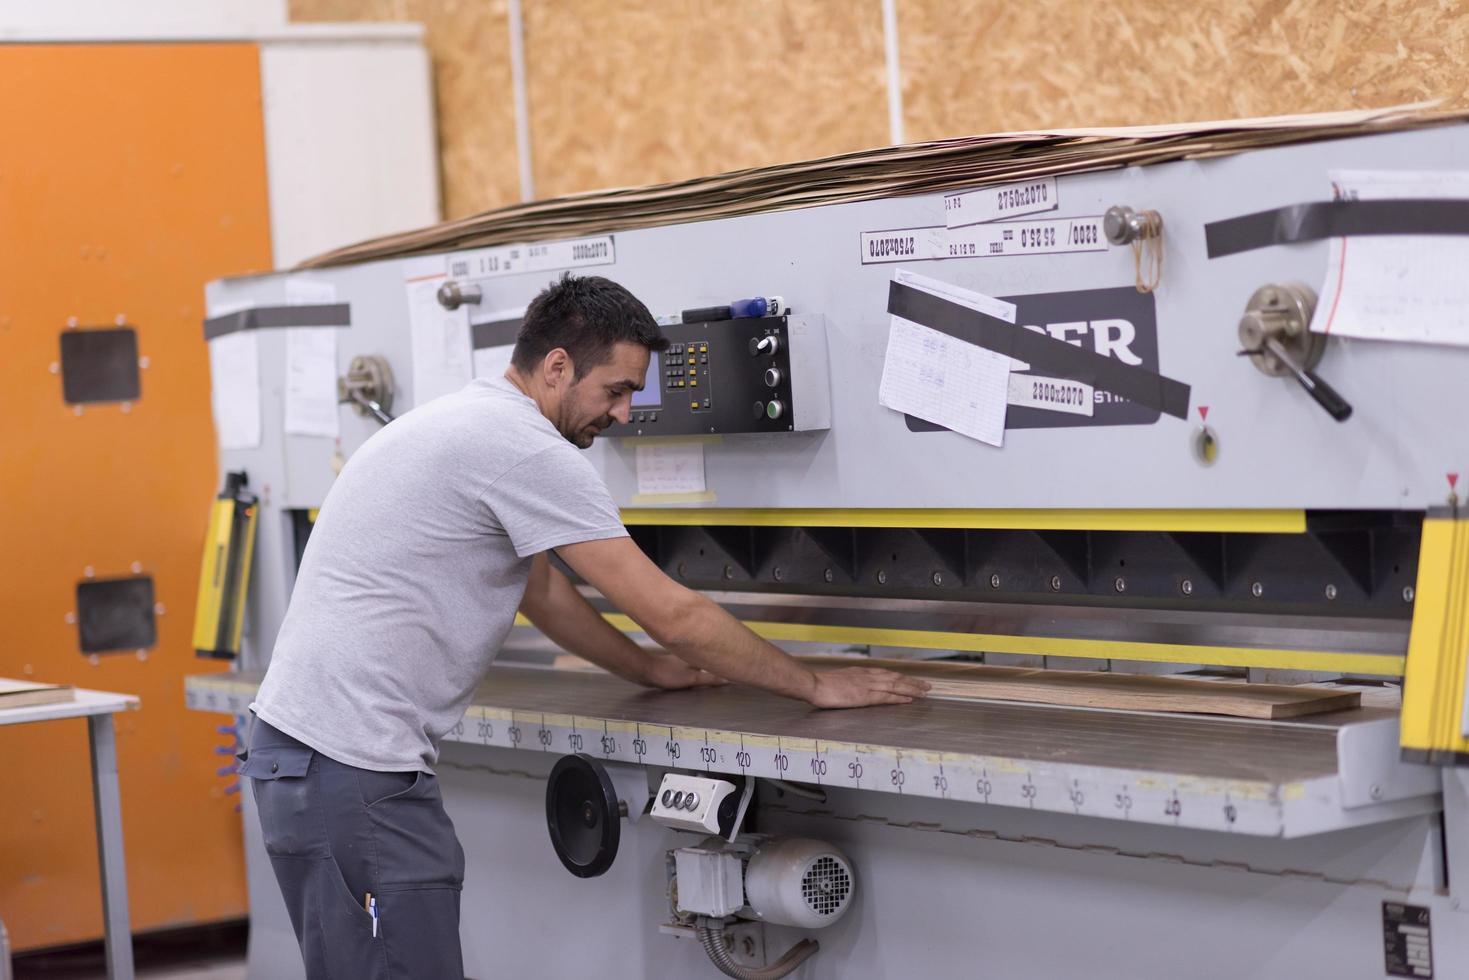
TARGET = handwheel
(583,815)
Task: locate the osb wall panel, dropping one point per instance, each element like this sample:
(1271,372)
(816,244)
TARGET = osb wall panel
(980,66)
(468,41)
(624,93)
(638,92)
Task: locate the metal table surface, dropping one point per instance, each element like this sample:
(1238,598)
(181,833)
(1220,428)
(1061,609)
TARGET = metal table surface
(1167,743)
(97,707)
(1260,777)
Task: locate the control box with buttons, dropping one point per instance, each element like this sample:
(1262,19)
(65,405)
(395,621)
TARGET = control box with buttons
(752,374)
(687,802)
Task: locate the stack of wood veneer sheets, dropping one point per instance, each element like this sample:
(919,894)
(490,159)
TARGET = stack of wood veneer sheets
(920,168)
(27,694)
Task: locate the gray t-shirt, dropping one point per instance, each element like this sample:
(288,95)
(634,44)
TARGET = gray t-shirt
(415,569)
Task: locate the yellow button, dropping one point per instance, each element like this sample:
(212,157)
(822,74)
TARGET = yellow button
(694,383)
(704,349)
(693,404)
(693,360)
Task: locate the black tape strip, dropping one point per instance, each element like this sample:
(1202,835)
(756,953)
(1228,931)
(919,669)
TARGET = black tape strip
(269,317)
(1335,219)
(1045,354)
(494,333)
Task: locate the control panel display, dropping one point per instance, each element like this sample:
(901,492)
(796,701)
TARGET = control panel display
(652,394)
(720,376)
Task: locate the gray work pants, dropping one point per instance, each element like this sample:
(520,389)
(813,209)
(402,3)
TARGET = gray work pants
(336,834)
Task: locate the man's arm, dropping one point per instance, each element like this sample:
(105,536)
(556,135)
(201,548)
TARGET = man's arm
(557,609)
(698,631)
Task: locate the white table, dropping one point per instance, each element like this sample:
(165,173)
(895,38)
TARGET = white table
(97,707)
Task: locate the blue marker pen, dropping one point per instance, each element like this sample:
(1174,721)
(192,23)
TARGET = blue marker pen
(758,306)
(374,918)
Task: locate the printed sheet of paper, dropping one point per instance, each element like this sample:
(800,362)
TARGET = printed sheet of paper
(442,358)
(311,366)
(946,381)
(1397,287)
(670,467)
(234,368)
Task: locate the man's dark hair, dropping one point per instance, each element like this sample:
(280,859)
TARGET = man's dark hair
(586,315)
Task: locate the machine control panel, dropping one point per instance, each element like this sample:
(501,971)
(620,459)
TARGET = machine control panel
(753,374)
(684,367)
(686,802)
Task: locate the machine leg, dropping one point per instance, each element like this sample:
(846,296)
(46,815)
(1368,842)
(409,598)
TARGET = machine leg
(117,933)
(5,967)
(1456,835)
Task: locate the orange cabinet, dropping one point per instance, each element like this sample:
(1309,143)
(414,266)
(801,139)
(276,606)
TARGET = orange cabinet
(130,175)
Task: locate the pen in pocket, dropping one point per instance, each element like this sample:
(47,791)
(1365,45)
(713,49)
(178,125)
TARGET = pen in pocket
(369,905)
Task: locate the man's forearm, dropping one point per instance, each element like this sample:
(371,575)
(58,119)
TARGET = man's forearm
(701,634)
(714,640)
(574,625)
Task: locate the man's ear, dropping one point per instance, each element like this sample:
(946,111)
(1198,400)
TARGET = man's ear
(557,369)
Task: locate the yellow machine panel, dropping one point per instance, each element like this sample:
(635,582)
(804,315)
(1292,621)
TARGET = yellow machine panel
(1433,688)
(224,571)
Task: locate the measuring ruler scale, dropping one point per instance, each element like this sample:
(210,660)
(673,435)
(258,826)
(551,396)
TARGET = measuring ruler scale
(1255,808)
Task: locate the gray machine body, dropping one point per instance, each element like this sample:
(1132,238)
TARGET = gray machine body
(948,887)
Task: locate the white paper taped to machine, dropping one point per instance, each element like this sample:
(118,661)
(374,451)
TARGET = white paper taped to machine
(1397,287)
(492,362)
(311,366)
(942,379)
(234,368)
(670,467)
(442,358)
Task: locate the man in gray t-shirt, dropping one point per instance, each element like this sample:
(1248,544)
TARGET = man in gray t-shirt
(435,534)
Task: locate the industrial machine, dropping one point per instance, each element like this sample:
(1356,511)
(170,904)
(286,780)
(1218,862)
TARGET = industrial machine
(712,884)
(1189,479)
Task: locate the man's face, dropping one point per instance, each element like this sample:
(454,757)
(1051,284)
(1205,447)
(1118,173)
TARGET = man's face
(603,395)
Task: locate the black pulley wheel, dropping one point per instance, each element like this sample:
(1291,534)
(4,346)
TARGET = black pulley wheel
(582,815)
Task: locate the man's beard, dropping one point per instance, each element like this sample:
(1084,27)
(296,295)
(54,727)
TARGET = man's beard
(582,437)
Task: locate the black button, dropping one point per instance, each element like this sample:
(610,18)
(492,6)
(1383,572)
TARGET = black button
(759,410)
(275,767)
(704,358)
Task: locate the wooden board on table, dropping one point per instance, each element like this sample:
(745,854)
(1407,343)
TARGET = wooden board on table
(1106,689)
(22,694)
(1093,689)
